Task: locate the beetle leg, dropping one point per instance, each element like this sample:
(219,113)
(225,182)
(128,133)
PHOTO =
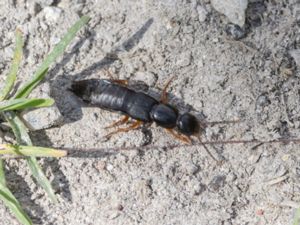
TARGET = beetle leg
(123,82)
(118,81)
(133,126)
(164,96)
(181,137)
(119,122)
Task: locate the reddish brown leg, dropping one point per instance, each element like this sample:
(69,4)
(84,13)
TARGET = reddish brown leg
(118,81)
(164,96)
(123,82)
(119,122)
(133,126)
(181,137)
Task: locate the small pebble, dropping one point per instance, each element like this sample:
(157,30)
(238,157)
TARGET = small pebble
(45,3)
(184,59)
(120,207)
(147,77)
(217,182)
(285,157)
(54,40)
(234,10)
(34,8)
(235,31)
(52,14)
(260,212)
(101,165)
(296,56)
(109,167)
(199,188)
(262,101)
(202,13)
(288,65)
(9,138)
(43,118)
(215,40)
(114,215)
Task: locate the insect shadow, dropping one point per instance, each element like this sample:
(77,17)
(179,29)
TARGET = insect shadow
(60,182)
(66,103)
(14,182)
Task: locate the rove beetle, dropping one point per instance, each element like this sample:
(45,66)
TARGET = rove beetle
(115,95)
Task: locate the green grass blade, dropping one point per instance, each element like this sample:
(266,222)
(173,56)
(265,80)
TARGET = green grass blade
(9,200)
(22,137)
(18,127)
(56,52)
(41,178)
(297,217)
(2,174)
(21,150)
(22,103)
(10,80)
(12,203)
(29,86)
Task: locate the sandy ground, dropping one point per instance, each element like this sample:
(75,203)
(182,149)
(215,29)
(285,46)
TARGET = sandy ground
(217,78)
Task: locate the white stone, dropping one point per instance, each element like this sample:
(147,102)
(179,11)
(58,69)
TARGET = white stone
(45,3)
(202,13)
(52,14)
(184,59)
(109,167)
(42,118)
(296,55)
(234,10)
(147,77)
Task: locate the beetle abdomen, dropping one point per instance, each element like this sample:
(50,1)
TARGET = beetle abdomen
(111,96)
(108,95)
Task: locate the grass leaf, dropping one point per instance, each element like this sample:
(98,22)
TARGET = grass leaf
(23,138)
(25,90)
(2,174)
(12,203)
(56,52)
(297,217)
(10,80)
(18,127)
(41,178)
(30,151)
(22,103)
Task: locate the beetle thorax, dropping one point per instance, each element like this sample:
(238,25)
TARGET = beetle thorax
(164,115)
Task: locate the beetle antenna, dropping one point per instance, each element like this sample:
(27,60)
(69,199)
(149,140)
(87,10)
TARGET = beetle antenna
(212,123)
(206,148)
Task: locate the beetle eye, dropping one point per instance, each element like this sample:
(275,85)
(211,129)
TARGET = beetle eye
(188,124)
